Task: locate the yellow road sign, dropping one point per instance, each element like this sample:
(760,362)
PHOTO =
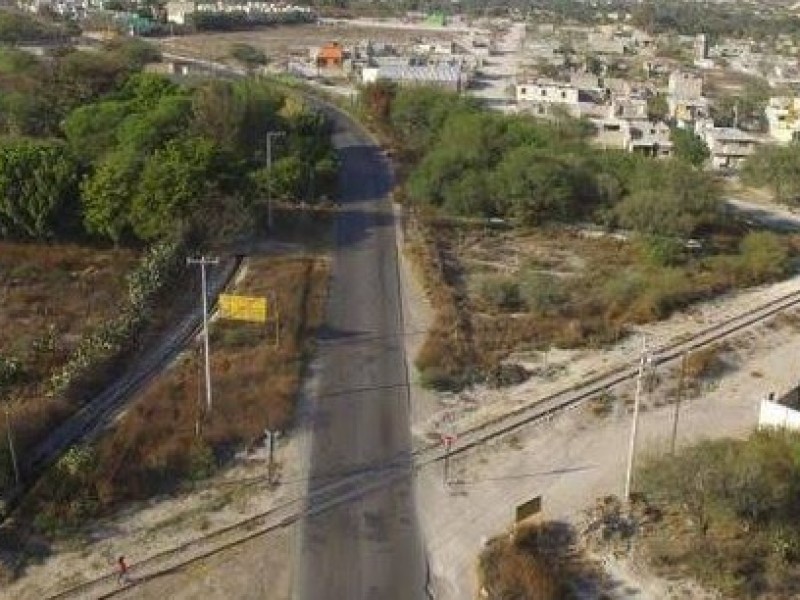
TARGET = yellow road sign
(243,308)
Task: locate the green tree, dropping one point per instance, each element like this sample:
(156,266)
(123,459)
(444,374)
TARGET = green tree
(107,194)
(38,188)
(670,198)
(535,186)
(91,130)
(776,168)
(287,179)
(174,184)
(689,147)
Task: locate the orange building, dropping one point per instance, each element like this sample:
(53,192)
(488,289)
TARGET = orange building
(330,56)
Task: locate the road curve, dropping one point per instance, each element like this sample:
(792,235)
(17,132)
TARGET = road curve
(357,413)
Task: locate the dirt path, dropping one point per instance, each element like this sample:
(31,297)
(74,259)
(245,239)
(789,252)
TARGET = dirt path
(230,574)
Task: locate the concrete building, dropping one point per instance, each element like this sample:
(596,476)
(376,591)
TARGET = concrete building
(685,101)
(647,138)
(700,47)
(783,119)
(548,92)
(729,146)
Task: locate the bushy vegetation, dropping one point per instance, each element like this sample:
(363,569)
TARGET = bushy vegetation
(730,514)
(776,168)
(474,163)
(467,167)
(535,562)
(239,21)
(126,156)
(19,27)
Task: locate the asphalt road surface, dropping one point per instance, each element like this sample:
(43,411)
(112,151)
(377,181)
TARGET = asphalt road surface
(358,411)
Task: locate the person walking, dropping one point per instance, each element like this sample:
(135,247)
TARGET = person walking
(123,578)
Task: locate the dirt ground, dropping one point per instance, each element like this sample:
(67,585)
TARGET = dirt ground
(254,570)
(279,42)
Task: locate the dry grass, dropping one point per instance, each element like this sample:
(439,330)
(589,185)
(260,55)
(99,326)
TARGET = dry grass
(538,562)
(51,295)
(155,446)
(499,292)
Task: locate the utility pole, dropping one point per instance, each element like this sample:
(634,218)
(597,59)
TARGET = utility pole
(11,448)
(270,136)
(644,359)
(684,365)
(205,261)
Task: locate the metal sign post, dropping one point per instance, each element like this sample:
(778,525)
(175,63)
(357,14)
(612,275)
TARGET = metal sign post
(447,441)
(270,439)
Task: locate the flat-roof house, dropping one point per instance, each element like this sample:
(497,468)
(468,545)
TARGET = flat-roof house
(729,146)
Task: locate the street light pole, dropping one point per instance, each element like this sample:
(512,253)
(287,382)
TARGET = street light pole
(205,261)
(636,402)
(270,136)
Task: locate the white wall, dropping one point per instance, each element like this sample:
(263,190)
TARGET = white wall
(772,414)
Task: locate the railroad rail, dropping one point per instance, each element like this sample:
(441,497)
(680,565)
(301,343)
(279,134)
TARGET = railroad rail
(353,485)
(92,419)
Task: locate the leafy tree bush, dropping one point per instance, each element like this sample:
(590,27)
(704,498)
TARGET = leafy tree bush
(741,499)
(174,184)
(673,200)
(38,188)
(689,147)
(248,55)
(764,257)
(499,291)
(777,168)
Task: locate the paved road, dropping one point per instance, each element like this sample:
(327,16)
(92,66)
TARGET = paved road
(369,548)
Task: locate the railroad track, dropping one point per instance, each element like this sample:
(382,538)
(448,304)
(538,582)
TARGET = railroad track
(549,406)
(350,486)
(92,419)
(325,497)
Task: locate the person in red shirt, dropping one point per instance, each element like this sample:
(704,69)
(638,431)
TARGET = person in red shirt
(123,578)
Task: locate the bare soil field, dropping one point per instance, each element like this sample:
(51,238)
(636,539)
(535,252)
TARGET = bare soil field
(279,42)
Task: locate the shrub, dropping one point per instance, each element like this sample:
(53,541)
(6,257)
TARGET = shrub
(740,496)
(499,291)
(764,256)
(542,292)
(662,251)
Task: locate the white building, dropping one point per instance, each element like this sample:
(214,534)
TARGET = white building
(439,75)
(178,10)
(548,92)
(783,119)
